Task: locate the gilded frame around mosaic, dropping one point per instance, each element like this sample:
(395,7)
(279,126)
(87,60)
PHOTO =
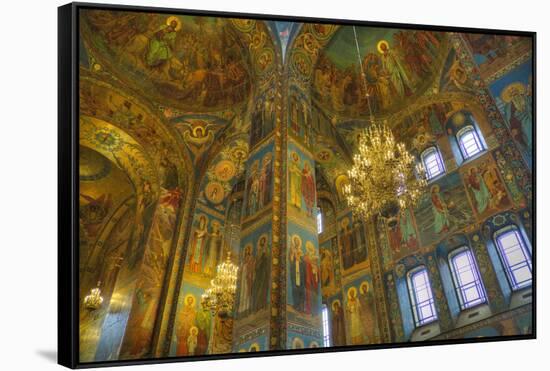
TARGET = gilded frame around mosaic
(204,165)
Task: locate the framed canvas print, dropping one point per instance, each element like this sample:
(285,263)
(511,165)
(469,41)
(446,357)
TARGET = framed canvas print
(237,185)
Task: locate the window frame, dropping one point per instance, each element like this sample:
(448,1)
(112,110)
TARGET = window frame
(526,252)
(325,321)
(420,321)
(439,159)
(319,221)
(464,131)
(477,283)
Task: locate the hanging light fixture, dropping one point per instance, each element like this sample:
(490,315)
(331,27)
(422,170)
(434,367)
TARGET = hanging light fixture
(384,178)
(219,298)
(93,300)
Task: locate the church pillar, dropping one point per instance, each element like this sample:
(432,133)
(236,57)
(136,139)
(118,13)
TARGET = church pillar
(260,225)
(278,302)
(300,281)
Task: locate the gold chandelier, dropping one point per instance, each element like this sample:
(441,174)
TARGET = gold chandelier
(93,300)
(385,177)
(219,298)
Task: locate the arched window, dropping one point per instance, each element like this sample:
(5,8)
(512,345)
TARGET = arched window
(433,163)
(326,327)
(515,257)
(319,221)
(420,292)
(467,280)
(469,142)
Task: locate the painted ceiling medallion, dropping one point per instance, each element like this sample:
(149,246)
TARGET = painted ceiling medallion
(107,139)
(214,192)
(324,155)
(225,170)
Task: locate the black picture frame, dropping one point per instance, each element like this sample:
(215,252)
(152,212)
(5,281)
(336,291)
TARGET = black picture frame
(68,184)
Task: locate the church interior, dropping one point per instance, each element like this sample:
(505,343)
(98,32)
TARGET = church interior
(232,198)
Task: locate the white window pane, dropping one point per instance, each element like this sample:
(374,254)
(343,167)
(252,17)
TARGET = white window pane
(509,240)
(515,256)
(523,274)
(461,261)
(471,294)
(467,277)
(419,280)
(426,312)
(422,296)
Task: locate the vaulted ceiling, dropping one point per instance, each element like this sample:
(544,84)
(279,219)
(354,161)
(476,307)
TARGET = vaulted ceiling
(200,74)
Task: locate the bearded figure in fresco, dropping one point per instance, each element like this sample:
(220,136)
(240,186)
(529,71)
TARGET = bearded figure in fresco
(187,321)
(378,85)
(311,266)
(518,111)
(308,188)
(338,327)
(295,181)
(440,211)
(260,284)
(297,274)
(247,278)
(354,310)
(214,248)
(198,245)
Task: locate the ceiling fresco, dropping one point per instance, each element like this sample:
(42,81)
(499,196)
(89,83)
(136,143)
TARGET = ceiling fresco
(399,65)
(196,63)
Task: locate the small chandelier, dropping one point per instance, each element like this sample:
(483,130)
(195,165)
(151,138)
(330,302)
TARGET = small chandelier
(384,178)
(93,300)
(219,298)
